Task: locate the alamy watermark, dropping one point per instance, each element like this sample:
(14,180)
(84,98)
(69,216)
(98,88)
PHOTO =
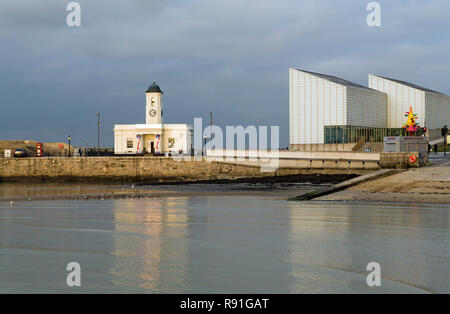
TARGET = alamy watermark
(374,17)
(73,279)
(242,144)
(74,17)
(374,277)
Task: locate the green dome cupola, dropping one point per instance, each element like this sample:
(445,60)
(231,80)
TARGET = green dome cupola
(154,88)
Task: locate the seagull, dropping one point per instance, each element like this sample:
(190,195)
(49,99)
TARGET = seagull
(11,203)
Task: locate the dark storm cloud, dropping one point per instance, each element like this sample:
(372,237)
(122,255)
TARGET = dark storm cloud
(228,57)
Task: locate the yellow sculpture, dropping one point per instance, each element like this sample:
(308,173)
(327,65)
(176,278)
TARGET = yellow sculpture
(411,125)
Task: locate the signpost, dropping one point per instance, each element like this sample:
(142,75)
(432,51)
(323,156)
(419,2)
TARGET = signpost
(414,146)
(405,144)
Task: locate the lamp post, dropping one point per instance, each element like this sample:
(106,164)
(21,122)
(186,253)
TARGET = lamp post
(68,139)
(98,133)
(204,146)
(444,132)
(210,124)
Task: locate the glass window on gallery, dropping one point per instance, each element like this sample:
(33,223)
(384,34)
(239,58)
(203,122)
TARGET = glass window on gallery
(129,143)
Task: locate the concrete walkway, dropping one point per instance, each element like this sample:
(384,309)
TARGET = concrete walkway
(346,184)
(419,185)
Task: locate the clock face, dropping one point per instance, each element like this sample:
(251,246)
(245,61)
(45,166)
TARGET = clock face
(152,112)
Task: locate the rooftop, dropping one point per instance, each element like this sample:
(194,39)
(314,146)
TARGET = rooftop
(410,85)
(335,79)
(154,88)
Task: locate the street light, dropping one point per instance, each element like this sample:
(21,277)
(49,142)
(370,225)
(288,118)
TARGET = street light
(98,133)
(68,139)
(210,124)
(444,132)
(204,150)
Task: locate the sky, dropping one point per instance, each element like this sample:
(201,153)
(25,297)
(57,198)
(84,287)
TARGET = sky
(230,57)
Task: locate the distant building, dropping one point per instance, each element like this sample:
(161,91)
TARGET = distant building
(432,108)
(153,137)
(325,109)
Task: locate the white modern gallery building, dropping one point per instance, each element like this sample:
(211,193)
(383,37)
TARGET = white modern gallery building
(325,109)
(153,137)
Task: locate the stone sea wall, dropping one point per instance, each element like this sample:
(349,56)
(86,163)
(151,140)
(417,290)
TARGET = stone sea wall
(160,169)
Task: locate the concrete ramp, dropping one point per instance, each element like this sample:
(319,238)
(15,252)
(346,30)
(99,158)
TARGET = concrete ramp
(437,142)
(346,184)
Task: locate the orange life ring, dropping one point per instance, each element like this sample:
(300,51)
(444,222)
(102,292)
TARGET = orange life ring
(412,159)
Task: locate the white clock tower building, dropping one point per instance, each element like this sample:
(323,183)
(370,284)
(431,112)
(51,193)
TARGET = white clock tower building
(153,137)
(153,107)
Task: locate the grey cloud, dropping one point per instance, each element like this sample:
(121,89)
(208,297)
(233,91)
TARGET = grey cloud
(229,57)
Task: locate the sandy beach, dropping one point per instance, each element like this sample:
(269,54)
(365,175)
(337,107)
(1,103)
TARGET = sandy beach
(420,185)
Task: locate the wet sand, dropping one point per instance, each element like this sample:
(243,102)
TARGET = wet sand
(223,244)
(280,187)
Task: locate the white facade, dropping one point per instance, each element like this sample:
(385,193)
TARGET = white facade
(154,137)
(142,138)
(366,107)
(437,110)
(317,100)
(153,108)
(323,107)
(432,108)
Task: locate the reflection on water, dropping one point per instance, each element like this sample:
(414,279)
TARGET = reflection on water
(140,254)
(332,244)
(223,244)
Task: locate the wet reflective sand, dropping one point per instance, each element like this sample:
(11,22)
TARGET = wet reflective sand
(16,191)
(223,244)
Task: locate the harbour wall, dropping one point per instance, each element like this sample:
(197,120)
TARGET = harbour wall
(166,169)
